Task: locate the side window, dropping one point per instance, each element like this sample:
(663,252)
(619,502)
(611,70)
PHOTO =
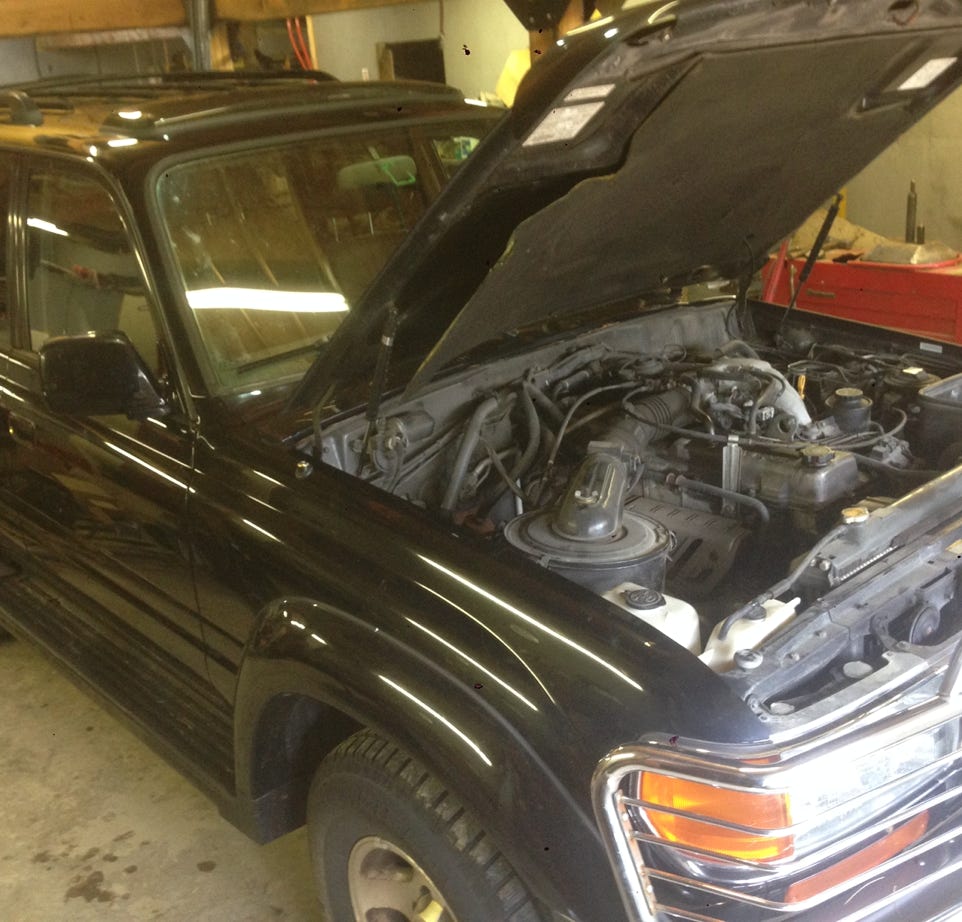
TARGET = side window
(6,175)
(82,273)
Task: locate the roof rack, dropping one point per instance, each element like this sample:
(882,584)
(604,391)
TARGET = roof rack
(167,114)
(155,84)
(24,101)
(23,110)
(149,106)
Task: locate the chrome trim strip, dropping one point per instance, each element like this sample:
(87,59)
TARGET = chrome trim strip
(952,681)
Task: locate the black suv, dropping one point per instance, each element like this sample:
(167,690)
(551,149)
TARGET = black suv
(403,468)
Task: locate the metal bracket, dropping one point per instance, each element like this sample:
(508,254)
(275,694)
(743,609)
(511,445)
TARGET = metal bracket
(731,471)
(23,110)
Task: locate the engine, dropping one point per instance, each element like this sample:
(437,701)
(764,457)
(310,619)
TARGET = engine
(676,482)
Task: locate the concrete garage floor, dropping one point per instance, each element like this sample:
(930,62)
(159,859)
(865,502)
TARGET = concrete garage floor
(95,826)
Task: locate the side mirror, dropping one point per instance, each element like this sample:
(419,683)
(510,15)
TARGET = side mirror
(97,374)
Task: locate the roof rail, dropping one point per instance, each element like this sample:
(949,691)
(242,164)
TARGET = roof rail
(23,110)
(152,84)
(162,116)
(208,77)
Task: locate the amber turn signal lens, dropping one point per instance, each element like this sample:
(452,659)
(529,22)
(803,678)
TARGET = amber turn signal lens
(870,857)
(763,812)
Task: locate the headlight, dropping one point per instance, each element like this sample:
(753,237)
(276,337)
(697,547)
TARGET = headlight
(787,813)
(783,829)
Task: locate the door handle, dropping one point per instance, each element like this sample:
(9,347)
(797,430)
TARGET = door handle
(21,429)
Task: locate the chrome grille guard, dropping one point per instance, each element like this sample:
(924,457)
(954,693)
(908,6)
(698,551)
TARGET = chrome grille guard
(873,816)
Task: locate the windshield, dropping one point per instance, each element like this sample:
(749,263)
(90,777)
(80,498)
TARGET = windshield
(274,245)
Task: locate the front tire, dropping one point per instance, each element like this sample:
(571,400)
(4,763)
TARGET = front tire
(389,843)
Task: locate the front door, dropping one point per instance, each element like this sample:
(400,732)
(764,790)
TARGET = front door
(96,506)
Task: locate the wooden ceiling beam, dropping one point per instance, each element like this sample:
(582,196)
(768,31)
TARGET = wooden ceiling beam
(43,17)
(256,10)
(49,17)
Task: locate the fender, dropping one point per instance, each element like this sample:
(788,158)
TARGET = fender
(482,664)
(488,713)
(454,726)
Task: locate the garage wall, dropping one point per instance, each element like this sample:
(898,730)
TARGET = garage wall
(17,60)
(346,42)
(928,154)
(489,31)
(128,58)
(478,36)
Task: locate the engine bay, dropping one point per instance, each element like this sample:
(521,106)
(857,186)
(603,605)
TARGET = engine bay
(694,468)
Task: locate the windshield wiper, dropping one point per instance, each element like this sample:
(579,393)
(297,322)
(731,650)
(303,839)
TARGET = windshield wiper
(315,346)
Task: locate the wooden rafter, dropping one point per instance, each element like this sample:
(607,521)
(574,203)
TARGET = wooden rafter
(43,17)
(247,10)
(61,17)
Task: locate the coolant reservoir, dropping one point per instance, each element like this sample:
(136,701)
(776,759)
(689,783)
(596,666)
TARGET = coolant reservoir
(673,617)
(746,634)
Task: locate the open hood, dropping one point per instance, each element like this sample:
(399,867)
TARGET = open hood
(677,142)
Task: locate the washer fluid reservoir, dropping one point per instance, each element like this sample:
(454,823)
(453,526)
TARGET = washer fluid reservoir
(745,635)
(673,617)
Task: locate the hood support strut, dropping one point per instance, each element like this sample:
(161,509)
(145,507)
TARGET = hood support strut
(380,376)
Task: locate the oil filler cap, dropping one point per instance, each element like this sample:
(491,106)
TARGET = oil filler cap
(817,455)
(855,515)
